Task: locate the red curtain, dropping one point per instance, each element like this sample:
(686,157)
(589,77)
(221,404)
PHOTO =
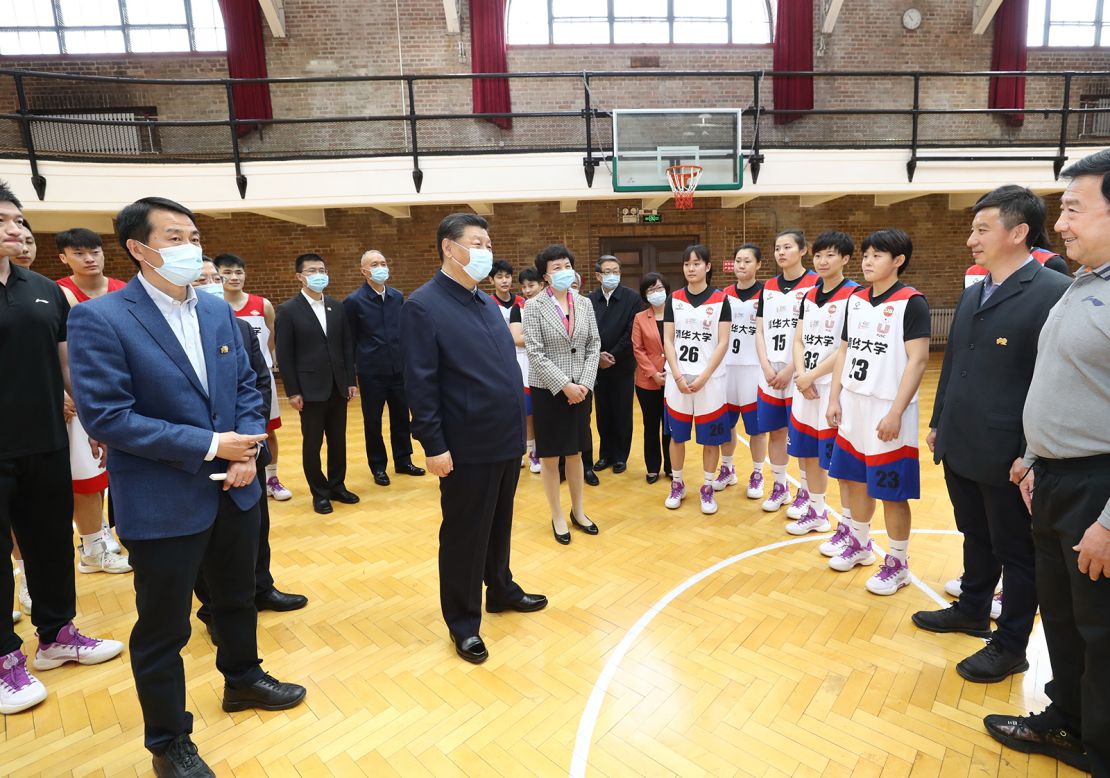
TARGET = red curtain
(488,54)
(1010,52)
(246,58)
(793,50)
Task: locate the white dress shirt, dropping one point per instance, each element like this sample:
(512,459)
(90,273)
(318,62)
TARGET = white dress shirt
(318,309)
(181,315)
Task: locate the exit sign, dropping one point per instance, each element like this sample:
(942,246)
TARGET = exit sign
(652,218)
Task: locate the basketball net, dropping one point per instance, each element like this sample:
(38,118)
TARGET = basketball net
(684,180)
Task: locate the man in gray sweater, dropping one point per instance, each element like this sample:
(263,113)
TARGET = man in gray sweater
(1067,459)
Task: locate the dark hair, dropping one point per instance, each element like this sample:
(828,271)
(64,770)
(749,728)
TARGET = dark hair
(8,196)
(751,247)
(702,253)
(649,280)
(27,224)
(78,238)
(605,258)
(1097,164)
(309,257)
(550,254)
(453,226)
(798,236)
(133,222)
(500,266)
(840,242)
(893,241)
(530,274)
(230,260)
(1016,205)
(206,258)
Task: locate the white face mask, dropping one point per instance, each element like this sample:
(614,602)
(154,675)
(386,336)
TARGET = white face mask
(181,265)
(657,297)
(216,290)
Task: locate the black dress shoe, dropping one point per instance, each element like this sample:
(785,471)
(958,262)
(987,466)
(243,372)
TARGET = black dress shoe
(1039,733)
(181,760)
(601,464)
(380,478)
(529,603)
(321,505)
(652,477)
(952,619)
(267,693)
(274,600)
(591,478)
(564,538)
(619,467)
(991,664)
(342,495)
(409,469)
(589,529)
(472,649)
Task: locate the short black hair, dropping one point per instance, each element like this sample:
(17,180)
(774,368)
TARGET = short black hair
(649,280)
(8,196)
(133,222)
(529,274)
(605,258)
(702,253)
(500,266)
(453,226)
(1016,205)
(27,224)
(798,235)
(1097,164)
(752,248)
(78,238)
(840,242)
(893,241)
(230,260)
(550,254)
(309,257)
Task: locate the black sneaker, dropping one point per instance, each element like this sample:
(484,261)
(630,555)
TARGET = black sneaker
(991,664)
(181,760)
(1039,733)
(952,619)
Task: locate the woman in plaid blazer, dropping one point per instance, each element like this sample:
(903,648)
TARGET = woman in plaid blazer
(563,345)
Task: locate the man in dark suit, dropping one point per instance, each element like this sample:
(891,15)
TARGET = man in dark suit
(615,306)
(463,387)
(977,429)
(161,376)
(317,361)
(374,315)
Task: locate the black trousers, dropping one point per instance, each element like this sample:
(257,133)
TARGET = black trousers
(998,539)
(375,392)
(655,432)
(613,399)
(320,420)
(166,571)
(36,502)
(474,540)
(1069,495)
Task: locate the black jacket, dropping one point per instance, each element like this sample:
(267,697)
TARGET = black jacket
(310,362)
(988,365)
(375,329)
(614,324)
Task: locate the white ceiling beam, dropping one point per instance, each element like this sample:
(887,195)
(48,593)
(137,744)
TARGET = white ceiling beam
(568,206)
(482,209)
(832,13)
(654,203)
(885,200)
(737,200)
(306,217)
(396,211)
(274,11)
(963,200)
(982,14)
(451,12)
(812,201)
(46,222)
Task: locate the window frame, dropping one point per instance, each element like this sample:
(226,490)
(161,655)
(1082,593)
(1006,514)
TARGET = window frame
(124,27)
(1101,18)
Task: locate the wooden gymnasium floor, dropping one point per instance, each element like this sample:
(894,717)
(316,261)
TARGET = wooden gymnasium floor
(771,664)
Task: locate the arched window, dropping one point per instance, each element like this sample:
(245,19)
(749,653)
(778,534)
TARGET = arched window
(605,22)
(1083,23)
(35,27)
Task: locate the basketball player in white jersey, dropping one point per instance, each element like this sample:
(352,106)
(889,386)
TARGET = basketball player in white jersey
(501,278)
(742,371)
(816,344)
(530,285)
(873,405)
(776,316)
(259,313)
(696,324)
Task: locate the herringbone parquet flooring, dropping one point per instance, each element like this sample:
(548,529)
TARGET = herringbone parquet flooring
(773,665)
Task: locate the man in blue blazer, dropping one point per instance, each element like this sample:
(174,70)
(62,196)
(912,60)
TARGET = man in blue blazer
(162,378)
(463,387)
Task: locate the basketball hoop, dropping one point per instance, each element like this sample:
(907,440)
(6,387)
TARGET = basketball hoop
(684,180)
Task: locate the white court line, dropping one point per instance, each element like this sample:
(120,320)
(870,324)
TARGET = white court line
(588,722)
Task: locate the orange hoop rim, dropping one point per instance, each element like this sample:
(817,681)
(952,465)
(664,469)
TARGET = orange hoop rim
(684,182)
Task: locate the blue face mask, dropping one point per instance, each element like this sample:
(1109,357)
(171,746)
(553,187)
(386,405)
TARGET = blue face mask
(561,280)
(657,298)
(216,290)
(317,282)
(379,275)
(611,281)
(181,265)
(481,262)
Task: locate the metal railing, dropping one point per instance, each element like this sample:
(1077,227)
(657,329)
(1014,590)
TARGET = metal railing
(197,119)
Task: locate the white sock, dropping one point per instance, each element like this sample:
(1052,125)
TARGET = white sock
(804,480)
(726,461)
(817,502)
(899,549)
(93,545)
(709,477)
(780,473)
(676,476)
(271,472)
(18,565)
(861,531)
(532,446)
